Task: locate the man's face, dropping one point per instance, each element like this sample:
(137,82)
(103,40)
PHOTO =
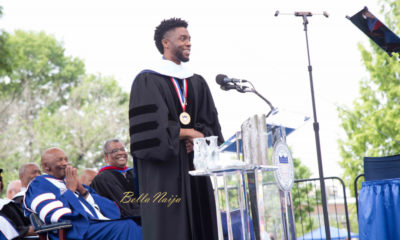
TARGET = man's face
(31,171)
(178,44)
(56,163)
(13,188)
(116,155)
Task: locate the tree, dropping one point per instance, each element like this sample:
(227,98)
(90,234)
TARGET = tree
(41,77)
(95,111)
(373,125)
(5,66)
(46,100)
(302,202)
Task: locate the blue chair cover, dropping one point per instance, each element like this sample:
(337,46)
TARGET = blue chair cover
(236,225)
(379,210)
(378,168)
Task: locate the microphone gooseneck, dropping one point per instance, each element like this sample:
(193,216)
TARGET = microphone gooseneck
(227,83)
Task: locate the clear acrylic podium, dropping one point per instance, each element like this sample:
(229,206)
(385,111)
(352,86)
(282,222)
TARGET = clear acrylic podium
(263,185)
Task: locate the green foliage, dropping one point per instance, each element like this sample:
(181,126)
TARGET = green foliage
(5,62)
(5,65)
(39,67)
(372,126)
(47,100)
(305,199)
(41,77)
(95,111)
(300,171)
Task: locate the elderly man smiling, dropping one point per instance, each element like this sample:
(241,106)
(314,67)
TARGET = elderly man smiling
(115,180)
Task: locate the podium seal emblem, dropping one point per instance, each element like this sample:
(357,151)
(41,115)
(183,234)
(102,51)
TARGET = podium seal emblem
(282,158)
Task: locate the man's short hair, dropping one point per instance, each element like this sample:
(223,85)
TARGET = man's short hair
(23,168)
(164,27)
(13,188)
(105,148)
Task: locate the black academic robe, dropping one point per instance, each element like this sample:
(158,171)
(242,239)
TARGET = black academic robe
(174,204)
(14,213)
(115,186)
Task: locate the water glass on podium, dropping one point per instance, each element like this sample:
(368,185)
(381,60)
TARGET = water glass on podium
(206,152)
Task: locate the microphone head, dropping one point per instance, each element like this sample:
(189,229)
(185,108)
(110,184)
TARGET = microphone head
(220,79)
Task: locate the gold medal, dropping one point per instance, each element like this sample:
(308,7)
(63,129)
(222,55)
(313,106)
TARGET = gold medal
(184,117)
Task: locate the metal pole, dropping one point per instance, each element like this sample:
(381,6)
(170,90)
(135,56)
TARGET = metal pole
(216,196)
(317,141)
(227,208)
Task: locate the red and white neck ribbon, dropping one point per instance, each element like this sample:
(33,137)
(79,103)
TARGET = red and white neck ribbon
(182,96)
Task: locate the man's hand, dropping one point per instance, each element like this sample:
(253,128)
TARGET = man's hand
(188,134)
(72,180)
(30,232)
(189,146)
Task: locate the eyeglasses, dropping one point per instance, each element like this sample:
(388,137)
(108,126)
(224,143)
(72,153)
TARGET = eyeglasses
(115,150)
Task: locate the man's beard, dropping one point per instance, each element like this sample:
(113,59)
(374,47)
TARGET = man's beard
(180,56)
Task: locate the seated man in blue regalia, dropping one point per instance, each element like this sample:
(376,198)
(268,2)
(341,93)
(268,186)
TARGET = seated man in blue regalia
(58,195)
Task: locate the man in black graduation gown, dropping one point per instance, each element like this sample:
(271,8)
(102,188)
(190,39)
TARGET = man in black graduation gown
(116,181)
(169,107)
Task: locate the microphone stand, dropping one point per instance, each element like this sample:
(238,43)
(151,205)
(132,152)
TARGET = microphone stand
(304,16)
(317,139)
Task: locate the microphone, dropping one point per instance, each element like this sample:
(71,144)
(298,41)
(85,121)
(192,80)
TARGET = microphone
(223,79)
